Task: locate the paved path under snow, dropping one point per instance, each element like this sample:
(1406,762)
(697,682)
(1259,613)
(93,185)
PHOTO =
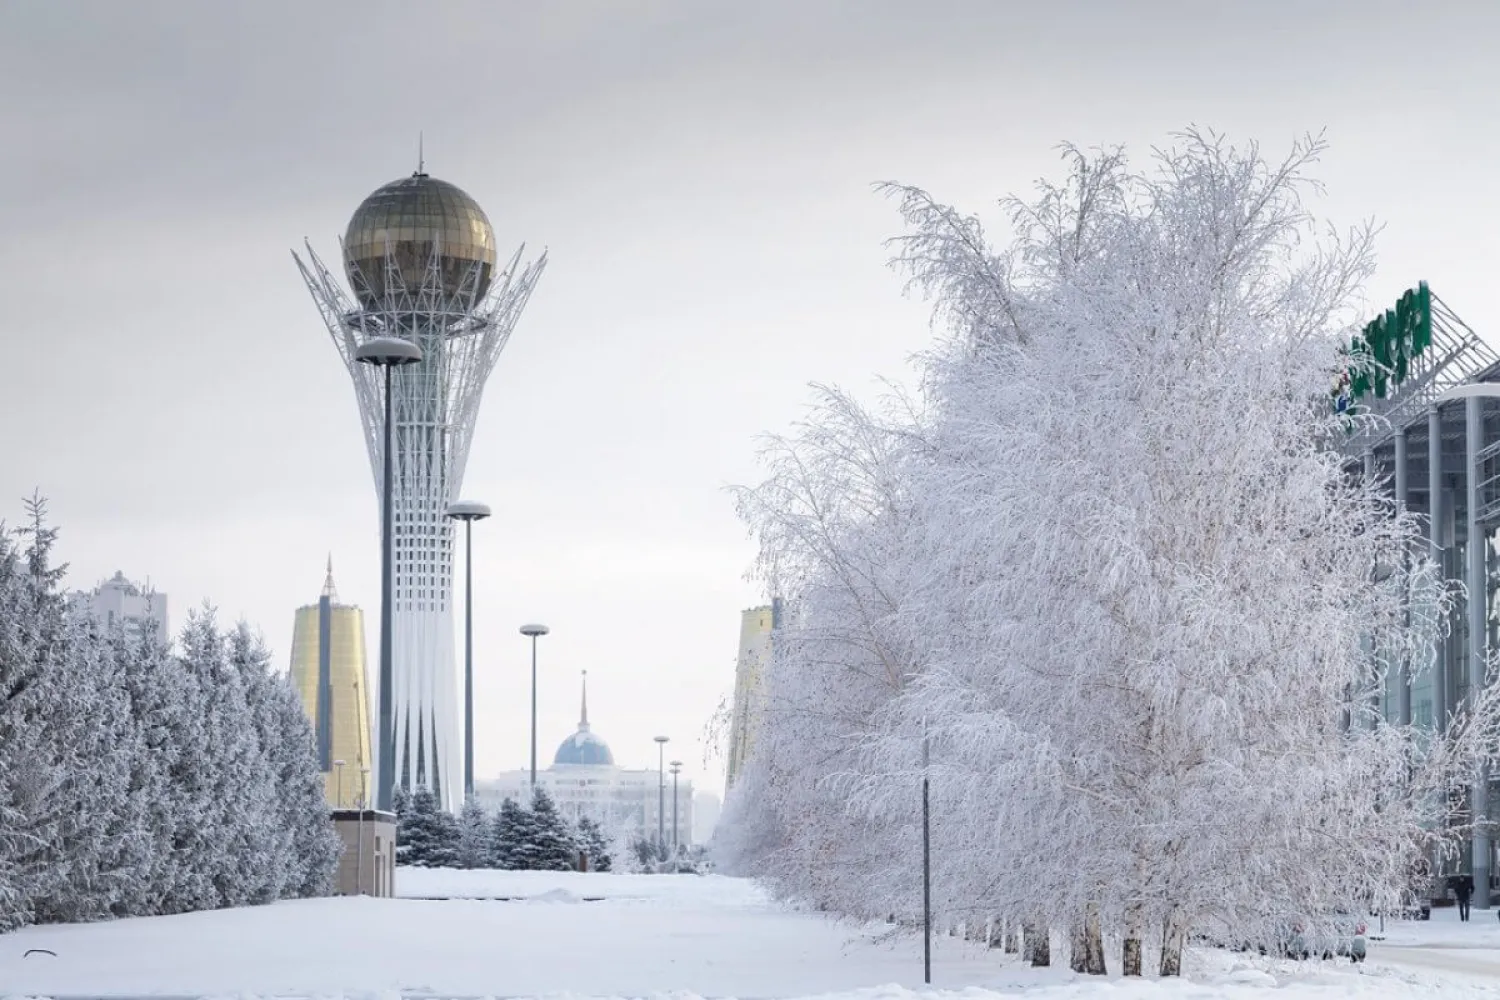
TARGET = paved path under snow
(1468,961)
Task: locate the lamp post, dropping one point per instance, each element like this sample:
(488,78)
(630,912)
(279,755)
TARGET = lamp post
(359,871)
(532,631)
(338,769)
(926,863)
(389,353)
(676,832)
(468,511)
(661,794)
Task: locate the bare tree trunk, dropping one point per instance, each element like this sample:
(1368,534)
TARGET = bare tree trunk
(1093,943)
(996,936)
(973,930)
(1012,938)
(1038,945)
(1131,952)
(1173,935)
(1077,948)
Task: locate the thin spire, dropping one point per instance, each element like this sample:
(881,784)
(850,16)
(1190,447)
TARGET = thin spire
(421,157)
(583,720)
(329,590)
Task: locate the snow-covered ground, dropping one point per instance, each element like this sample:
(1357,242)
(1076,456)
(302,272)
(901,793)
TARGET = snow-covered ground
(601,935)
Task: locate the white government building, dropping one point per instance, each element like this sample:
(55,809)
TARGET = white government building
(119,603)
(584,781)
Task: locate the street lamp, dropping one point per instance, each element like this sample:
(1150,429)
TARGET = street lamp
(661,794)
(531,632)
(389,353)
(468,512)
(364,804)
(338,769)
(676,832)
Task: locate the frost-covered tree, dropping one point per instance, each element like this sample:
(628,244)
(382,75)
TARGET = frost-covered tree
(134,782)
(299,833)
(244,797)
(550,845)
(593,843)
(34,759)
(474,836)
(510,829)
(426,835)
(1114,574)
(835,524)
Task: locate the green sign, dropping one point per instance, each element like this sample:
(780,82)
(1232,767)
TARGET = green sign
(1380,356)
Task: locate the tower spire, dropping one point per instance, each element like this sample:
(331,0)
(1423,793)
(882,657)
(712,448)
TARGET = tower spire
(583,719)
(329,590)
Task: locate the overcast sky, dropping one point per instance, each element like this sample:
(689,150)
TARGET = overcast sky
(700,173)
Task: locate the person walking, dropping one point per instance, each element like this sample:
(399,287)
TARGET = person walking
(1464,890)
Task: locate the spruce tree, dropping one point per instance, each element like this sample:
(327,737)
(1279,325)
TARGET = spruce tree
(592,842)
(422,841)
(34,760)
(135,782)
(551,846)
(302,838)
(510,828)
(474,836)
(146,674)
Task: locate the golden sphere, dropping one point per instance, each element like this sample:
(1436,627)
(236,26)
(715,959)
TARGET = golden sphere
(409,219)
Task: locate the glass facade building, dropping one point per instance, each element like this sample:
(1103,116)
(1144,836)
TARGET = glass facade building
(1438,450)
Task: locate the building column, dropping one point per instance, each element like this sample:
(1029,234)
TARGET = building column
(1435,550)
(1474,558)
(1375,701)
(1403,677)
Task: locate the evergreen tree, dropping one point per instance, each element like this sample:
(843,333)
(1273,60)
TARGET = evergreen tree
(592,842)
(100,839)
(510,829)
(551,846)
(135,782)
(148,674)
(34,762)
(302,838)
(474,836)
(445,847)
(244,788)
(423,838)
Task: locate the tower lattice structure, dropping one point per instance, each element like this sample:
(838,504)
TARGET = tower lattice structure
(420,259)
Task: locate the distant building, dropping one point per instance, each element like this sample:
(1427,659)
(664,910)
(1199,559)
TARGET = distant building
(756,628)
(584,781)
(706,809)
(328,671)
(137,609)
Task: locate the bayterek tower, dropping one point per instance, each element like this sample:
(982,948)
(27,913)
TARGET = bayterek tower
(420,258)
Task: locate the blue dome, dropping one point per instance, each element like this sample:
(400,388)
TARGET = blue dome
(583,747)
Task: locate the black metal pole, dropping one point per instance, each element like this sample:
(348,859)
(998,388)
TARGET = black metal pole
(661,797)
(387,760)
(926,870)
(468,658)
(676,840)
(533,716)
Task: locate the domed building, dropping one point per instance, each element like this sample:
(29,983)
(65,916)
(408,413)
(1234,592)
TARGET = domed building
(584,780)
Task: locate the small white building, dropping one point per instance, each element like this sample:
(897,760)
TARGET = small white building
(138,610)
(584,781)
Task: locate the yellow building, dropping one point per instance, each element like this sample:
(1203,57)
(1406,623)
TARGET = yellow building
(756,626)
(328,671)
